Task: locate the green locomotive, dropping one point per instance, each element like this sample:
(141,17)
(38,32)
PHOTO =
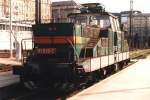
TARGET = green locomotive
(88,46)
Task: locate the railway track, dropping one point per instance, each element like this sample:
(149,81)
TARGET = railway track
(139,53)
(5,68)
(19,92)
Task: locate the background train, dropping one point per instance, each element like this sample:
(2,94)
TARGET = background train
(88,46)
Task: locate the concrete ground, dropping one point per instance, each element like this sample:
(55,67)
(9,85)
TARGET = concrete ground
(132,83)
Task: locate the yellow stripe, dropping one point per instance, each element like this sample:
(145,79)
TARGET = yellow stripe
(57,39)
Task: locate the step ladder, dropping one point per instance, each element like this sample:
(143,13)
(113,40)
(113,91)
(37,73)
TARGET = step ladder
(92,42)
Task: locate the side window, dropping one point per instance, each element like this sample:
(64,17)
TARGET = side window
(1,27)
(115,38)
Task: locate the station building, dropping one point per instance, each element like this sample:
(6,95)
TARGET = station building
(23,17)
(137,28)
(61,9)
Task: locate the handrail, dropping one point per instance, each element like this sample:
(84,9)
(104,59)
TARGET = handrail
(22,57)
(74,49)
(85,51)
(87,45)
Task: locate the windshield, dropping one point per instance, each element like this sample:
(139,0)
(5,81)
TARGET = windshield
(98,20)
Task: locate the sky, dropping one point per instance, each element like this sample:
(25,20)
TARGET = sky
(120,5)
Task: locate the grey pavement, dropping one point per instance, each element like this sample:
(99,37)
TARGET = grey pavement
(132,83)
(7,78)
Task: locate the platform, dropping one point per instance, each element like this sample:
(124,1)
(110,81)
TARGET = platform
(9,61)
(132,83)
(7,78)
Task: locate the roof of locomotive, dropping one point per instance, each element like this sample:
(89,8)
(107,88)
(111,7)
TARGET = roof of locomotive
(91,4)
(90,13)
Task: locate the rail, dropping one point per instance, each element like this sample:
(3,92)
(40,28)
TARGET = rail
(5,68)
(74,50)
(139,53)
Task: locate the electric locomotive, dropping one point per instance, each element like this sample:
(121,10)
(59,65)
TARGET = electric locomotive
(88,46)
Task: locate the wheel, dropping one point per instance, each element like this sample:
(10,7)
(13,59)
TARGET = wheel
(116,68)
(103,73)
(30,85)
(121,64)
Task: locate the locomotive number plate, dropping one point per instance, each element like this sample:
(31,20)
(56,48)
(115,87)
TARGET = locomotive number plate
(46,51)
